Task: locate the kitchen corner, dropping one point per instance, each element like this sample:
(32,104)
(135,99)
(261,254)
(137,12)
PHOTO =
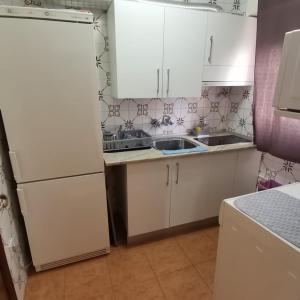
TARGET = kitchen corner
(127,160)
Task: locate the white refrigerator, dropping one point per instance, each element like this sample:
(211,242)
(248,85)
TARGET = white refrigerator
(49,106)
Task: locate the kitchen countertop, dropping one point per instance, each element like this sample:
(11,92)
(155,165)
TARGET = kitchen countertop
(126,157)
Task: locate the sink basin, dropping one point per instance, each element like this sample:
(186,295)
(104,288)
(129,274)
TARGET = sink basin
(222,140)
(173,144)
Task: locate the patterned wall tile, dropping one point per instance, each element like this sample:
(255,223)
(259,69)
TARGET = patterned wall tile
(282,171)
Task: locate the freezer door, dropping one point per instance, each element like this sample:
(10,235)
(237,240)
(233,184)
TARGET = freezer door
(49,102)
(65,218)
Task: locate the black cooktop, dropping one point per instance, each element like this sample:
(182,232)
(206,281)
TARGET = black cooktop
(222,140)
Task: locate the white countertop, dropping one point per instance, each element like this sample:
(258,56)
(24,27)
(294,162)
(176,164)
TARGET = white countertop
(126,157)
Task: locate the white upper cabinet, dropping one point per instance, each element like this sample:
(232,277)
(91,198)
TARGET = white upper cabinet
(156,51)
(184,39)
(230,49)
(287,93)
(136,49)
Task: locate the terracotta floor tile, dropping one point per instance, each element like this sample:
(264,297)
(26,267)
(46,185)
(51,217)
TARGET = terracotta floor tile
(147,290)
(87,293)
(47,285)
(207,272)
(129,265)
(197,246)
(184,284)
(213,233)
(88,279)
(166,256)
(127,273)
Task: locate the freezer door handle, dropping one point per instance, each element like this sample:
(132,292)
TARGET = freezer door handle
(22,202)
(15,166)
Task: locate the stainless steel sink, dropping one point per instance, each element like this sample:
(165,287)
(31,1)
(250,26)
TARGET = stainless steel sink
(173,144)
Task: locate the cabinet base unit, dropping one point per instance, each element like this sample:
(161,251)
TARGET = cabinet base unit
(171,192)
(66,219)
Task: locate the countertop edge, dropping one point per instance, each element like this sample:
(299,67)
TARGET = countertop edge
(153,154)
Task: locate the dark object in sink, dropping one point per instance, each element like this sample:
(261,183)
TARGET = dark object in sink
(125,140)
(222,140)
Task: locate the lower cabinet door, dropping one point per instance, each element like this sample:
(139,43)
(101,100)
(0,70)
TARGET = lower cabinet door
(221,173)
(189,189)
(148,196)
(246,172)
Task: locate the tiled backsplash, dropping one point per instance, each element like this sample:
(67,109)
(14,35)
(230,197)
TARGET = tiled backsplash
(223,108)
(282,171)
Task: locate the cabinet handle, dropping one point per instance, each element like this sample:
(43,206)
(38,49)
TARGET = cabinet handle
(168,174)
(168,81)
(157,82)
(177,176)
(210,49)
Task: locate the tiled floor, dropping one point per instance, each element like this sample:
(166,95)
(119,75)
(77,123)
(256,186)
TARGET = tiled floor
(180,267)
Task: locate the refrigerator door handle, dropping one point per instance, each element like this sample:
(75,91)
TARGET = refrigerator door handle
(15,166)
(22,202)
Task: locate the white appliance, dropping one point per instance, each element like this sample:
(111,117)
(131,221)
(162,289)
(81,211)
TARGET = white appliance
(49,105)
(254,262)
(287,92)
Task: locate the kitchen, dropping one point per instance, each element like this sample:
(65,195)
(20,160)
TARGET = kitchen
(152,128)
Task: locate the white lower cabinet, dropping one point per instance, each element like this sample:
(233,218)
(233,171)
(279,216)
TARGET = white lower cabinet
(189,189)
(171,192)
(246,173)
(221,180)
(148,196)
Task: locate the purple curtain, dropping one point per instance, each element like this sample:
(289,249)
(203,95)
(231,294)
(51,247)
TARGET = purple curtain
(278,136)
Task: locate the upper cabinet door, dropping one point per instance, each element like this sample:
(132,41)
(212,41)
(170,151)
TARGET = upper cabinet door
(287,94)
(136,49)
(184,50)
(230,48)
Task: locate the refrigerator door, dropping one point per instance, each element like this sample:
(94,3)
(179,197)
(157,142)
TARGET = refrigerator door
(49,102)
(66,219)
